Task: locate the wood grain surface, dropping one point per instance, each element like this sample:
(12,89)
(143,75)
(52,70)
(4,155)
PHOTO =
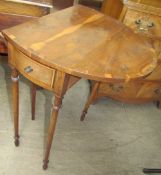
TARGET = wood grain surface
(43,3)
(85,43)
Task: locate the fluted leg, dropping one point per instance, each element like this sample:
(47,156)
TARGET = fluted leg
(90,100)
(33,99)
(51,130)
(15,94)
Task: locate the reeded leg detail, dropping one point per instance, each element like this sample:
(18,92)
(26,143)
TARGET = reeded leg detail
(51,130)
(15,94)
(33,99)
(90,100)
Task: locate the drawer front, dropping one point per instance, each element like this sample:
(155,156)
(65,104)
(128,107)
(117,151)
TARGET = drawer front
(143,22)
(119,89)
(133,90)
(36,72)
(149,90)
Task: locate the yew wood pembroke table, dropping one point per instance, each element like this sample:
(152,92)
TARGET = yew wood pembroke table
(57,50)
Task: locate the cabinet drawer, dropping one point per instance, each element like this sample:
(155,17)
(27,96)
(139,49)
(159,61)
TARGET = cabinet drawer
(120,89)
(149,91)
(143,22)
(131,90)
(36,72)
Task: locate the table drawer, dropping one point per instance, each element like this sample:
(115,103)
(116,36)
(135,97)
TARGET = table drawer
(36,72)
(143,22)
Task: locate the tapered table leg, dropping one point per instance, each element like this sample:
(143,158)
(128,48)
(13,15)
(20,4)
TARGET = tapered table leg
(51,130)
(33,99)
(15,93)
(90,100)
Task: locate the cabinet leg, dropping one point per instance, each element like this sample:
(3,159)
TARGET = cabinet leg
(90,100)
(15,94)
(51,130)
(33,99)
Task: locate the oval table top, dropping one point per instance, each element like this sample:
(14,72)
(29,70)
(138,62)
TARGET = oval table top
(85,43)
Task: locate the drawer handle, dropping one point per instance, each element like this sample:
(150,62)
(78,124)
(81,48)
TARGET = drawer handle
(157,91)
(150,24)
(28,69)
(116,88)
(144,25)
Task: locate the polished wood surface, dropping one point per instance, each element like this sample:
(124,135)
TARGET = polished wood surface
(153,3)
(120,53)
(61,4)
(71,44)
(144,18)
(14,12)
(112,9)
(25,7)
(10,20)
(43,3)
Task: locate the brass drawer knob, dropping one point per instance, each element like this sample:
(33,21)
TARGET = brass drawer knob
(138,21)
(28,69)
(116,88)
(150,24)
(157,91)
(144,25)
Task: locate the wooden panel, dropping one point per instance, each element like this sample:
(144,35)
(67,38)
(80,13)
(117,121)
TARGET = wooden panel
(61,4)
(157,46)
(9,20)
(22,9)
(119,89)
(154,3)
(41,74)
(131,20)
(42,3)
(132,90)
(149,90)
(3,48)
(155,75)
(112,9)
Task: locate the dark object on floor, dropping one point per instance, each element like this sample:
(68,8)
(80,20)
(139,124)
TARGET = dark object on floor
(149,171)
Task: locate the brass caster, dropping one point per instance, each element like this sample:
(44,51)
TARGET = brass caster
(83,116)
(17,142)
(45,165)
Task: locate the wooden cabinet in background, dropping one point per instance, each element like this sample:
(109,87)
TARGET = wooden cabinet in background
(144,17)
(13,12)
(61,4)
